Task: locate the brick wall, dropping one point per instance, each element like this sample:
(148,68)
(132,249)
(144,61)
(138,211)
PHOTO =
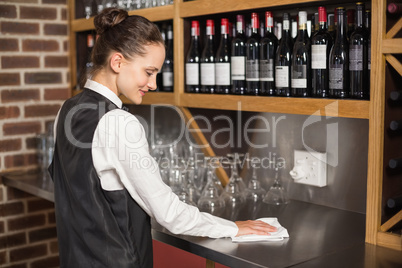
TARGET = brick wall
(34,82)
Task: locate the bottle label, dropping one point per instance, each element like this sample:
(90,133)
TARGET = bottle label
(208,74)
(336,76)
(356,58)
(319,57)
(252,70)
(238,67)
(267,70)
(167,79)
(222,73)
(286,25)
(299,76)
(192,71)
(282,76)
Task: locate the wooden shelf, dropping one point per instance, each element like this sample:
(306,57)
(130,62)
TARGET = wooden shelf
(207,7)
(306,106)
(153,14)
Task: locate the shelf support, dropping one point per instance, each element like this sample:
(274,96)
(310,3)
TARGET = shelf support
(391,222)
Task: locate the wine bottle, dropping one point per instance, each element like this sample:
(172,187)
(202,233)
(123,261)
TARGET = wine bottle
(90,45)
(395,164)
(396,125)
(396,96)
(279,31)
(358,56)
(394,8)
(269,45)
(367,18)
(315,26)
(395,202)
(294,29)
(331,25)
(193,60)
(321,44)
(339,60)
(208,60)
(167,69)
(252,58)
(238,59)
(301,60)
(283,60)
(350,14)
(222,61)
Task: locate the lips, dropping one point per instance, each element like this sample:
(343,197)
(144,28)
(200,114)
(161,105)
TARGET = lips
(142,93)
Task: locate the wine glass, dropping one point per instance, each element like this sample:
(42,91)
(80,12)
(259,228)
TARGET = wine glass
(211,202)
(192,191)
(212,180)
(235,177)
(276,195)
(254,192)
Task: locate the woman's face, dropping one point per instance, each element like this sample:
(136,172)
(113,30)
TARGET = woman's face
(138,75)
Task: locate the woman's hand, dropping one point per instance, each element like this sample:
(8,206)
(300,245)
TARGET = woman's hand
(254,227)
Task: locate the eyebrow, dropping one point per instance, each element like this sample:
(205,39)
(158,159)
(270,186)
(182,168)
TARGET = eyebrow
(153,68)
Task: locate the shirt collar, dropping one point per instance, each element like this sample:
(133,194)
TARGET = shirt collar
(104,91)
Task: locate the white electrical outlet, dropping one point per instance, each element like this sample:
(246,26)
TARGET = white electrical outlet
(310,168)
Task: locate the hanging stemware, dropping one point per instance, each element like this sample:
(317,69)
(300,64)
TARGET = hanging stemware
(276,195)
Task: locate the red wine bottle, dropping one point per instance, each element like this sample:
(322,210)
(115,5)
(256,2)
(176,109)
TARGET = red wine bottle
(269,45)
(193,60)
(252,58)
(301,60)
(358,56)
(283,60)
(331,25)
(396,96)
(396,126)
(222,61)
(167,69)
(321,44)
(395,164)
(350,14)
(339,60)
(394,8)
(238,59)
(208,60)
(367,18)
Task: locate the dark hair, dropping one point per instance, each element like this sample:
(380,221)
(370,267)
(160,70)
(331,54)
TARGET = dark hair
(117,31)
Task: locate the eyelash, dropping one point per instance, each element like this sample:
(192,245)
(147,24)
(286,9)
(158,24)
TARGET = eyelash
(150,73)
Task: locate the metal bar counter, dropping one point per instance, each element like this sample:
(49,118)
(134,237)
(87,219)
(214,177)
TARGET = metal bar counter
(319,236)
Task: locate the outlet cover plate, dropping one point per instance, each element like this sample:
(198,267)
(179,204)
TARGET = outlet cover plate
(314,165)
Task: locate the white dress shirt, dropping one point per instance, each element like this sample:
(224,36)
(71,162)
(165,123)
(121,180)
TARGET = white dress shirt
(121,158)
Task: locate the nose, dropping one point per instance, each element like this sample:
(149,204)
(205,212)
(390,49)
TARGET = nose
(152,83)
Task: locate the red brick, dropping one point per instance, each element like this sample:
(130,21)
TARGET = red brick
(39,204)
(10,145)
(55,29)
(1,227)
(8,44)
(66,46)
(19,28)
(3,258)
(28,253)
(9,209)
(33,45)
(8,62)
(26,222)
(57,94)
(9,112)
(17,95)
(8,11)
(21,128)
(41,110)
(54,247)
(64,14)
(12,240)
(20,160)
(31,143)
(26,1)
(42,234)
(56,61)
(51,217)
(10,79)
(15,194)
(46,262)
(43,78)
(38,13)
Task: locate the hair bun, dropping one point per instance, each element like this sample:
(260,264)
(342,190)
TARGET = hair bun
(108,18)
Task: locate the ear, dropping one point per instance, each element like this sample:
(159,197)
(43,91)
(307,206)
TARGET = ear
(116,61)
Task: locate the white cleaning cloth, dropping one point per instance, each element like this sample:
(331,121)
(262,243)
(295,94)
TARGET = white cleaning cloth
(279,235)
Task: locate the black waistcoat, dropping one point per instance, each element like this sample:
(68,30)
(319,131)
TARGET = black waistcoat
(95,228)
